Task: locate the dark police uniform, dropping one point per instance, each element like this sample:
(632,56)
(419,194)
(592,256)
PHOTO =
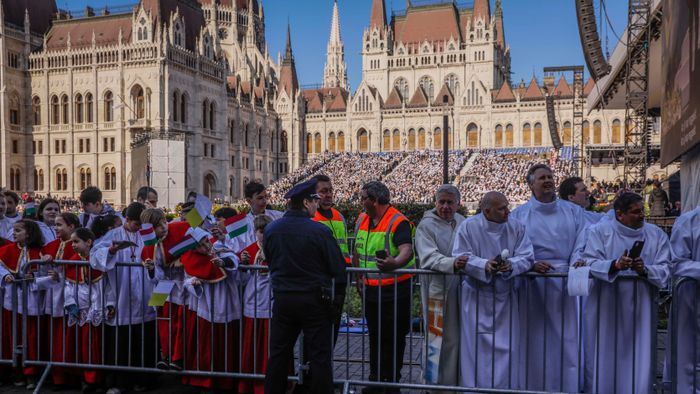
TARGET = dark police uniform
(306,265)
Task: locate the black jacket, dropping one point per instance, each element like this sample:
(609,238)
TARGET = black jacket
(302,255)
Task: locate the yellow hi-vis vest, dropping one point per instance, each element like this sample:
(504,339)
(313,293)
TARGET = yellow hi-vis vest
(337,225)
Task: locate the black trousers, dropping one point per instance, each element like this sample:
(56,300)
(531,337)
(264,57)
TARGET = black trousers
(131,345)
(293,313)
(382,352)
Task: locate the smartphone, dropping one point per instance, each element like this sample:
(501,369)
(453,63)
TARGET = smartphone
(636,250)
(380,254)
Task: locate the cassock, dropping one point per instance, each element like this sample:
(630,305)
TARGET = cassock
(47,232)
(88,295)
(440,296)
(490,340)
(549,317)
(617,327)
(685,247)
(13,260)
(213,318)
(169,268)
(54,304)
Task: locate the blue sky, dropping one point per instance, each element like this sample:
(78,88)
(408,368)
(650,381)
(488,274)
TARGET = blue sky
(540,33)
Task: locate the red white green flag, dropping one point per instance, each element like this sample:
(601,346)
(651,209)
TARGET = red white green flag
(148,234)
(236,225)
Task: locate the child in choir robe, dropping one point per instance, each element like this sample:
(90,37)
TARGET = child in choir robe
(131,338)
(59,249)
(256,311)
(14,259)
(167,267)
(89,301)
(213,313)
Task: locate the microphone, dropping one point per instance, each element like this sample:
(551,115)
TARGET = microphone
(505,254)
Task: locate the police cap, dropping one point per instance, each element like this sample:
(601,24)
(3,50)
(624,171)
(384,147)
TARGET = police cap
(304,190)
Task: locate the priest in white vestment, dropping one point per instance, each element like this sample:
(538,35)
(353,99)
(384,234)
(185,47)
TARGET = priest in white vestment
(498,250)
(619,319)
(549,316)
(685,247)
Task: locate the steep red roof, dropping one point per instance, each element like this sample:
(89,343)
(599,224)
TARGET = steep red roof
(394,100)
(419,99)
(106,29)
(41,12)
(533,91)
(378,16)
(505,93)
(314,101)
(433,23)
(500,34)
(482,9)
(589,87)
(445,91)
(562,89)
(191,12)
(338,99)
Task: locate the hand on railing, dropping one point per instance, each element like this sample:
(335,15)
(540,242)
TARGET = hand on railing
(245,257)
(53,275)
(542,267)
(8,279)
(460,262)
(111,312)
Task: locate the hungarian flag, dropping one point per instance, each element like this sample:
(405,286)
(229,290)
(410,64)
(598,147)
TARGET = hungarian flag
(148,234)
(200,211)
(187,243)
(236,225)
(29,208)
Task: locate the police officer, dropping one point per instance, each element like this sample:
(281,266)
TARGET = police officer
(306,265)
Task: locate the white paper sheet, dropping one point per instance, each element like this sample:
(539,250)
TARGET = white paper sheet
(578,281)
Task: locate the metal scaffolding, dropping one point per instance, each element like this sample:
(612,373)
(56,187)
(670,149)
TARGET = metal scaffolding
(637,122)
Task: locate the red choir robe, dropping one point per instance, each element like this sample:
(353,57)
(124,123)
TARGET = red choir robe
(168,267)
(84,335)
(12,258)
(213,333)
(59,250)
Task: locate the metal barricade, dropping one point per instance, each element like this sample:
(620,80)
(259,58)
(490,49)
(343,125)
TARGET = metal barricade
(683,373)
(398,332)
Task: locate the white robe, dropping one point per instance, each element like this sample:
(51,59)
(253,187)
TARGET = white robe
(47,232)
(7,229)
(625,325)
(685,247)
(92,300)
(490,340)
(550,349)
(132,285)
(36,290)
(218,302)
(440,296)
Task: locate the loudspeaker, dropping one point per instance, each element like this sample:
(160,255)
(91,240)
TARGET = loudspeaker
(590,41)
(552,120)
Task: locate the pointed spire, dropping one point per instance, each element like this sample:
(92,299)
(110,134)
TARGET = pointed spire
(288,73)
(378,18)
(261,13)
(335,72)
(408,5)
(288,56)
(335,25)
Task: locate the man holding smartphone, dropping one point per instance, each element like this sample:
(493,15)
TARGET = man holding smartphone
(383,240)
(618,320)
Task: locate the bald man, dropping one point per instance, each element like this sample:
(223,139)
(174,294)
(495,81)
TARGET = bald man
(498,250)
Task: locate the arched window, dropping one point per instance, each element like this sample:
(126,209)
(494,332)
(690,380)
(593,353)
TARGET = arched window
(386,140)
(597,132)
(176,105)
(396,140)
(55,110)
(537,140)
(110,175)
(62,179)
(341,141)
(205,114)
(85,178)
(109,107)
(411,140)
(212,116)
(15,178)
(139,102)
(14,110)
(527,134)
(453,83)
(331,142)
(183,109)
(566,134)
(402,85)
(421,138)
(498,136)
(317,143)
(586,132)
(437,138)
(209,185)
(36,111)
(64,109)
(615,134)
(428,87)
(363,140)
(283,142)
(38,179)
(89,108)
(509,135)
(309,143)
(472,135)
(78,108)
